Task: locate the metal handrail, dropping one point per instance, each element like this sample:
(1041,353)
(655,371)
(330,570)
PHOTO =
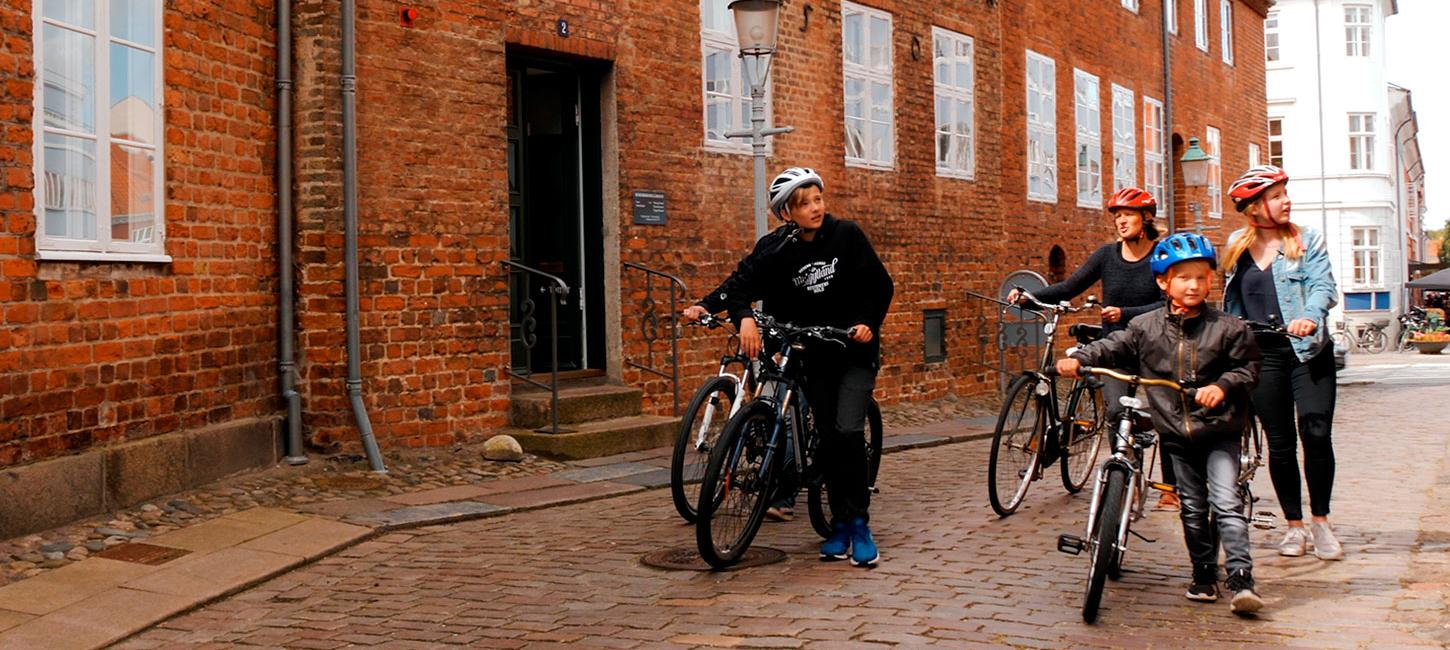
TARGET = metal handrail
(560,289)
(649,327)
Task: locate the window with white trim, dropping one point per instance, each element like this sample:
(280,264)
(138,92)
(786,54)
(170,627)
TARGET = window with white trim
(725,84)
(1131,5)
(866,66)
(98,126)
(1361,141)
(1356,29)
(955,106)
(1200,24)
(1041,128)
(1271,37)
(1256,155)
(1089,143)
(1125,139)
(1226,30)
(1276,141)
(1170,9)
(1365,243)
(1153,147)
(1213,147)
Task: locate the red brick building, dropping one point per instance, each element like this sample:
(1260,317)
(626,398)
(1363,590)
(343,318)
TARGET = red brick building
(135,360)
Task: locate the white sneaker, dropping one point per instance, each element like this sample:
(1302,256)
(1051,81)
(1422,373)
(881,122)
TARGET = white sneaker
(1326,545)
(1294,542)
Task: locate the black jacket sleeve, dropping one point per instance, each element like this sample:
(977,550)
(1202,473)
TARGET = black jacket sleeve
(743,286)
(875,285)
(1117,350)
(1243,356)
(1085,276)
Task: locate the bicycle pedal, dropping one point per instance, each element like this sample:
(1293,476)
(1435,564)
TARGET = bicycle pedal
(1263,520)
(1163,487)
(1070,544)
(1139,535)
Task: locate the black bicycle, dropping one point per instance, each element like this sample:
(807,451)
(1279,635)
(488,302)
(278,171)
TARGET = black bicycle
(771,442)
(716,401)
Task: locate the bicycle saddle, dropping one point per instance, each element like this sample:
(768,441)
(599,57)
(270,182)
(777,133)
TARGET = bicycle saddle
(1085,333)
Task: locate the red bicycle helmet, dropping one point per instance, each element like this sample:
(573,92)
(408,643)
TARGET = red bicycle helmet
(1249,187)
(1133,199)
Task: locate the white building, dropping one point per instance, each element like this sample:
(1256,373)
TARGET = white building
(1347,138)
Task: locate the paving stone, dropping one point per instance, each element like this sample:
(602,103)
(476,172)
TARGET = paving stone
(910,441)
(603,472)
(430,514)
(309,539)
(559,495)
(659,477)
(67,585)
(439,495)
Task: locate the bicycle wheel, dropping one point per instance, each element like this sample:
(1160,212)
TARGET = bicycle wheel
(818,502)
(1104,540)
(736,487)
(704,419)
(1343,340)
(1082,437)
(1016,445)
(1376,341)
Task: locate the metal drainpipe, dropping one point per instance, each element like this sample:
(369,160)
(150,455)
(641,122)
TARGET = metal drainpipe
(1167,118)
(286,365)
(1319,109)
(349,219)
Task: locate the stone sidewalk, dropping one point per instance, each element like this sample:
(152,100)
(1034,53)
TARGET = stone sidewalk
(155,563)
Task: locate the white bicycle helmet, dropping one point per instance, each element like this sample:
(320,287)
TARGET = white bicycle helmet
(788,182)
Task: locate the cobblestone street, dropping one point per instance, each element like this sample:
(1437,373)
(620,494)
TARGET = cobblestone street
(952,575)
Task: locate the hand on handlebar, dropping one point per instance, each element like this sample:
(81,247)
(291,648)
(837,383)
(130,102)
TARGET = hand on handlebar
(750,341)
(1208,396)
(1068,367)
(861,334)
(695,312)
(1112,314)
(1302,327)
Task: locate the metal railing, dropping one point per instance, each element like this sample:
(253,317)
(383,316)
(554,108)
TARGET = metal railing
(1005,339)
(558,292)
(649,325)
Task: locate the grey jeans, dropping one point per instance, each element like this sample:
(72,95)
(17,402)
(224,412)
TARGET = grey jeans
(1208,481)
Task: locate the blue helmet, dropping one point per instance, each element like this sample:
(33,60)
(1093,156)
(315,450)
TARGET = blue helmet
(1181,247)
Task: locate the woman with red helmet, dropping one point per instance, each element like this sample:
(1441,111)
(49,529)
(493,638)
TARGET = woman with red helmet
(1280,272)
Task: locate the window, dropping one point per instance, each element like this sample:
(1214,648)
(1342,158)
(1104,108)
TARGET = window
(1041,128)
(1200,24)
(1170,14)
(1215,172)
(1125,139)
(1256,155)
(1276,141)
(933,335)
(954,76)
(1367,301)
(1089,140)
(1226,30)
(726,86)
(1131,5)
(1356,30)
(99,136)
(1365,242)
(1271,37)
(866,54)
(1361,141)
(1153,147)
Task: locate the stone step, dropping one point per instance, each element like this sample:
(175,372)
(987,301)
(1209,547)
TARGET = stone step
(529,408)
(601,437)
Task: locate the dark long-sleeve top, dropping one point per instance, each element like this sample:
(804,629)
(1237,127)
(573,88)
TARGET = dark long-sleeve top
(835,279)
(1126,285)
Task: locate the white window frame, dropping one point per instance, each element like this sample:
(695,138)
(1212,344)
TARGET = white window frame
(1131,5)
(102,248)
(712,41)
(1361,141)
(1226,30)
(868,74)
(1200,24)
(1125,139)
(1042,129)
(1154,169)
(1276,138)
(1213,146)
(1170,9)
(1366,258)
(1088,144)
(951,94)
(1358,21)
(1256,155)
(1271,37)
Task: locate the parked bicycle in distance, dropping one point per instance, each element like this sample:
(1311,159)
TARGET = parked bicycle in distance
(1369,337)
(714,403)
(1033,431)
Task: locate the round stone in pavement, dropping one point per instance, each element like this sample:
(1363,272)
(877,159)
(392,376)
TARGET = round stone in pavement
(688,559)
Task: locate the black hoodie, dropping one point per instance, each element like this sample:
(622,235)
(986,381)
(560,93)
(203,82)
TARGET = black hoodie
(834,279)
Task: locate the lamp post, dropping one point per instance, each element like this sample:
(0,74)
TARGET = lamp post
(756,25)
(1195,174)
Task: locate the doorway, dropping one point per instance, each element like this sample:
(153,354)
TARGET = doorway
(555,211)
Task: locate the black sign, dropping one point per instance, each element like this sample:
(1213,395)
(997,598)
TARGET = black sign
(649,208)
(562,28)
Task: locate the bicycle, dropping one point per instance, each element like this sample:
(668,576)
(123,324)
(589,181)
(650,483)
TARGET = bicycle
(1118,492)
(1032,432)
(1412,322)
(1369,337)
(773,439)
(713,404)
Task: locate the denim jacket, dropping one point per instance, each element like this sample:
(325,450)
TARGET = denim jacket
(1305,288)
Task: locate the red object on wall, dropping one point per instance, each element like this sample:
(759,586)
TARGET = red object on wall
(406,16)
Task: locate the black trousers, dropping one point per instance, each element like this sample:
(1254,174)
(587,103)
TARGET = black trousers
(837,393)
(1295,402)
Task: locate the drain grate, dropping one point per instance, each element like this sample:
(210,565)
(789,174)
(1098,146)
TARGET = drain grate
(142,553)
(348,482)
(688,559)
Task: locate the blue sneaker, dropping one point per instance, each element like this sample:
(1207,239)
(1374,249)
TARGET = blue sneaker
(838,544)
(863,548)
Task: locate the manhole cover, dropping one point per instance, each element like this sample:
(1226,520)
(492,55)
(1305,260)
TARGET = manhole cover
(348,482)
(688,559)
(141,553)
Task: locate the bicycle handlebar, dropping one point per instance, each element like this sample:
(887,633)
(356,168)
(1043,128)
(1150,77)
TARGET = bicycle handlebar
(1132,379)
(709,321)
(1063,307)
(784,330)
(1272,327)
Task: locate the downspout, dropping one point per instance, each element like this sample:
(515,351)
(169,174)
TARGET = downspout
(1319,108)
(286,365)
(349,220)
(1167,132)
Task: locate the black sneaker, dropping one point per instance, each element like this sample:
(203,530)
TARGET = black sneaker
(1245,600)
(1205,584)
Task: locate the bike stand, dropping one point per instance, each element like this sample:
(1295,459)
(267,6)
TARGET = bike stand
(1139,535)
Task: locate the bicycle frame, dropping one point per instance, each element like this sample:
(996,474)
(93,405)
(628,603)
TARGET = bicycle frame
(743,382)
(1127,456)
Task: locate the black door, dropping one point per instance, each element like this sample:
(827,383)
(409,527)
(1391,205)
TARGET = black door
(555,212)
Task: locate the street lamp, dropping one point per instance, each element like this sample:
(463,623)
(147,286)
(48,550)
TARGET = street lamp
(1195,174)
(756,25)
